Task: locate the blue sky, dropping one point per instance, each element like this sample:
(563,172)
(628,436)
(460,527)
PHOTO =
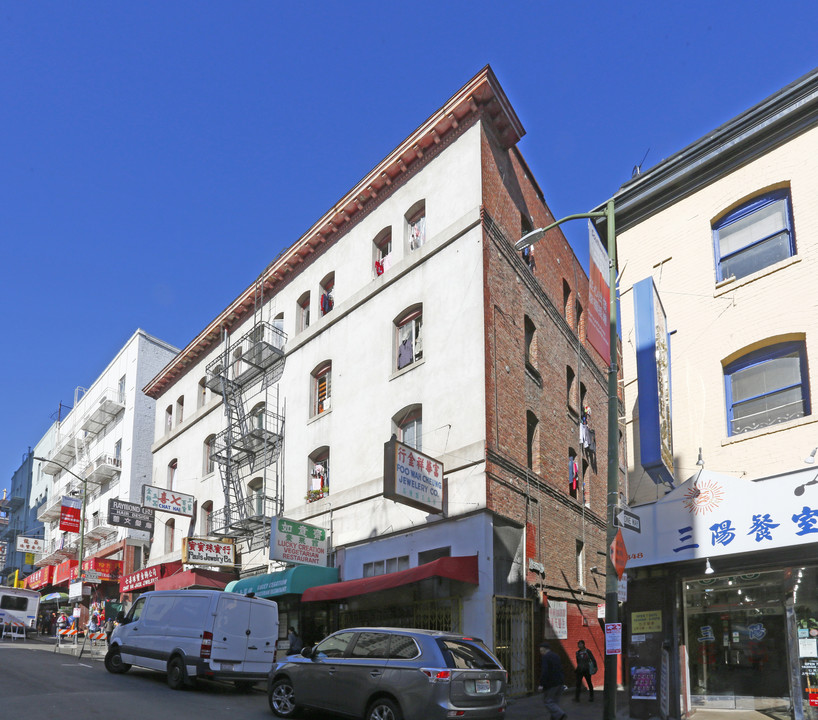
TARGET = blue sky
(157,155)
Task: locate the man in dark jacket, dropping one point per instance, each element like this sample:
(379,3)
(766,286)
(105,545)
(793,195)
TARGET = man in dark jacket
(586,666)
(552,681)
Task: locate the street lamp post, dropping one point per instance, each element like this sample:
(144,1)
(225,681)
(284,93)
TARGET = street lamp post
(611,578)
(84,482)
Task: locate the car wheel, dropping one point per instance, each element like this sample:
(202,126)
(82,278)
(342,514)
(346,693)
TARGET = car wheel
(282,698)
(176,673)
(113,662)
(383,709)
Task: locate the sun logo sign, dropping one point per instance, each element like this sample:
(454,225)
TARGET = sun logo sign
(703,497)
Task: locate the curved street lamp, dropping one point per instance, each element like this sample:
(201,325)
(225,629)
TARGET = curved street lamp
(611,577)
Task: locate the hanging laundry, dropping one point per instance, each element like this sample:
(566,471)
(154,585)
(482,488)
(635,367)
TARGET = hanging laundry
(584,435)
(417,233)
(378,267)
(387,262)
(573,474)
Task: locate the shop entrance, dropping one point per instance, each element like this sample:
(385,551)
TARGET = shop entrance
(744,644)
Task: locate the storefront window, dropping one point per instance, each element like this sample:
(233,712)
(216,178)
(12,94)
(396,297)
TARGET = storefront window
(744,633)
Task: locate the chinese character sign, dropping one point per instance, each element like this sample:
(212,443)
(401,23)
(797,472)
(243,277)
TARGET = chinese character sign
(198,551)
(715,514)
(170,501)
(299,543)
(130,515)
(70,514)
(30,545)
(412,478)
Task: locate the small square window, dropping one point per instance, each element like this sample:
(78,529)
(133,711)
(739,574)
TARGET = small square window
(754,236)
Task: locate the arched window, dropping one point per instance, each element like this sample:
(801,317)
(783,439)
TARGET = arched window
(408,426)
(409,337)
(327,294)
(569,386)
(257,416)
(201,394)
(321,388)
(382,249)
(318,481)
(416,225)
(573,473)
(755,235)
(767,387)
(303,312)
(170,531)
(180,409)
(172,467)
(566,300)
(168,418)
(255,497)
(532,442)
(207,453)
(530,343)
(206,517)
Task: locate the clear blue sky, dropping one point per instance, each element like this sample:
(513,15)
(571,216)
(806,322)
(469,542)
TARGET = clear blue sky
(157,155)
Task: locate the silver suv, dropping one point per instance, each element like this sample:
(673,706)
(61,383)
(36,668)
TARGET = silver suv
(391,674)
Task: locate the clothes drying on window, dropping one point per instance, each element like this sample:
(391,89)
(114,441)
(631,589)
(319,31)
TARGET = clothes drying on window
(386,261)
(417,233)
(405,354)
(584,435)
(326,302)
(591,440)
(528,256)
(573,474)
(378,267)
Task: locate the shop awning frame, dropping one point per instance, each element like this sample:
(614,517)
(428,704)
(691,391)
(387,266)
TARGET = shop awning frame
(462,569)
(292,581)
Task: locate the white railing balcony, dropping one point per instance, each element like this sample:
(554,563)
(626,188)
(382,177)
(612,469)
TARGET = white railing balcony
(109,404)
(98,528)
(103,468)
(56,551)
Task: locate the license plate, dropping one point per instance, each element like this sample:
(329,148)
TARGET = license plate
(228,666)
(482,686)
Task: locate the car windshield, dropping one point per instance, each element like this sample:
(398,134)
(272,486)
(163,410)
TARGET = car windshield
(464,655)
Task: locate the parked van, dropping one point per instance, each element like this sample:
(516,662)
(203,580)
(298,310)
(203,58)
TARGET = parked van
(18,605)
(193,634)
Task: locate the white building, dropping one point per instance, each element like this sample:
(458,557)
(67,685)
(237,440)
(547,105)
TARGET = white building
(102,444)
(403,311)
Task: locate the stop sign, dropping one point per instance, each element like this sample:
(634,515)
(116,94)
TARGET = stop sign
(619,554)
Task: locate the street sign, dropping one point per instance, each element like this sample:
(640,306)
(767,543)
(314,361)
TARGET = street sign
(626,519)
(619,554)
(91,576)
(131,515)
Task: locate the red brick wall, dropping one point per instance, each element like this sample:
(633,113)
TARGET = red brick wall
(512,292)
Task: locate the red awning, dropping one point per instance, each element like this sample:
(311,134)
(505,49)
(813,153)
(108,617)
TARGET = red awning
(463,569)
(194,579)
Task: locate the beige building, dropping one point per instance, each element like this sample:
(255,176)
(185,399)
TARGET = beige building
(727,229)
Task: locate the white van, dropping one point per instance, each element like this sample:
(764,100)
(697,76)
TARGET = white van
(193,634)
(18,605)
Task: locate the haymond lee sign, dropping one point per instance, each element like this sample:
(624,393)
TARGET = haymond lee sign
(411,478)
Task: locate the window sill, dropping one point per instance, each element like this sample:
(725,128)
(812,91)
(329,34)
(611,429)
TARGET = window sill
(726,286)
(408,368)
(318,416)
(532,372)
(806,420)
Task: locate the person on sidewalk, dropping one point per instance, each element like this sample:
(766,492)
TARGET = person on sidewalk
(552,681)
(586,667)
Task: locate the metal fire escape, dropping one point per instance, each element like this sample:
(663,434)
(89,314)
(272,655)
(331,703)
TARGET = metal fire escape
(248,370)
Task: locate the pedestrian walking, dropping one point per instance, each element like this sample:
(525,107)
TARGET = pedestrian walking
(552,681)
(586,667)
(109,628)
(295,642)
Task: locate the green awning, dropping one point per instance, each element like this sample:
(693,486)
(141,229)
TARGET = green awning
(293,581)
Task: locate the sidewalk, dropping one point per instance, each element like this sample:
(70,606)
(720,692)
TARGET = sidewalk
(532,708)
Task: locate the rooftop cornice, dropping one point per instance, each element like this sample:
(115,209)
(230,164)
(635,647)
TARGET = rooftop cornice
(482,96)
(765,126)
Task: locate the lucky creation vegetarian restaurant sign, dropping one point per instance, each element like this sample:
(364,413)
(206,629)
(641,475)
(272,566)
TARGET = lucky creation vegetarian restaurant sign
(297,542)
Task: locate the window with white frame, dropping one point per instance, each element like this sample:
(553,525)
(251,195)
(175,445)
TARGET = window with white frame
(168,418)
(206,516)
(326,300)
(201,395)
(208,465)
(382,247)
(416,225)
(303,312)
(170,530)
(257,416)
(255,499)
(122,389)
(173,466)
(755,235)
(321,388)
(409,337)
(767,387)
(180,409)
(318,479)
(384,567)
(408,426)
(118,452)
